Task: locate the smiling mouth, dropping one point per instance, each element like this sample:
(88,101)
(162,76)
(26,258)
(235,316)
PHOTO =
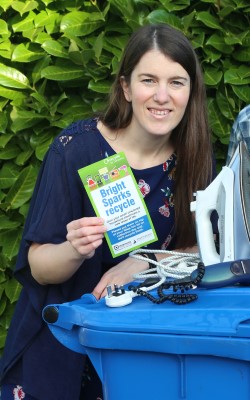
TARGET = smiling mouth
(158,112)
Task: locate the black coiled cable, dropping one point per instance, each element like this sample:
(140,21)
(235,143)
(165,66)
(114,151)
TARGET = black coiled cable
(182,285)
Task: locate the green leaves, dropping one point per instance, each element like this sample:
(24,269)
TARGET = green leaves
(12,290)
(8,176)
(24,53)
(162,16)
(22,119)
(124,8)
(212,76)
(100,87)
(63,72)
(11,77)
(4,31)
(209,20)
(55,49)
(80,23)
(23,8)
(218,122)
(239,76)
(217,41)
(22,189)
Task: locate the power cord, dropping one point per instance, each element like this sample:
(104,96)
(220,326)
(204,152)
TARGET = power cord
(182,285)
(174,265)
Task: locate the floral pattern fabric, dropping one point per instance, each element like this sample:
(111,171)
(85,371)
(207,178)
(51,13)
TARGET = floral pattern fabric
(157,186)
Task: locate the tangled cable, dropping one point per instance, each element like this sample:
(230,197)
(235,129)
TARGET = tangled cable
(176,265)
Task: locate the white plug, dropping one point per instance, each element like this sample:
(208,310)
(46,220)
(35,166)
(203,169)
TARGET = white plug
(119,297)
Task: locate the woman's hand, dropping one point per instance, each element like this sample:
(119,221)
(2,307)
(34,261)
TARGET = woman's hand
(86,234)
(55,263)
(119,275)
(123,272)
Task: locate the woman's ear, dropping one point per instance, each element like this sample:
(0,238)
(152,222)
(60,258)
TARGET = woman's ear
(125,88)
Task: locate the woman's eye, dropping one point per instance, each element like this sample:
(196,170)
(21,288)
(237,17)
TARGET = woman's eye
(148,80)
(177,83)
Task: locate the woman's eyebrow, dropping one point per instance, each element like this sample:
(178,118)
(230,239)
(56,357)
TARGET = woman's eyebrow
(149,75)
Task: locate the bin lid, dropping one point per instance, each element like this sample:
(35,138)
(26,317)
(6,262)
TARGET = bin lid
(217,323)
(216,312)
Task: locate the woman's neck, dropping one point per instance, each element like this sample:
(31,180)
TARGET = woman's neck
(141,154)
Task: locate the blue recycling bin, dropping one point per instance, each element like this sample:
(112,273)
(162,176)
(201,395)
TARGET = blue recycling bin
(145,351)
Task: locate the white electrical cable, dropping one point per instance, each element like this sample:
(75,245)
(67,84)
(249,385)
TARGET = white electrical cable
(175,265)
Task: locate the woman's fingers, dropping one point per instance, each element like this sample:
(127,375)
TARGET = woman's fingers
(120,274)
(86,234)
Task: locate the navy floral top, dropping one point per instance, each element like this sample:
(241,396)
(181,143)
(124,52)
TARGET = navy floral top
(58,198)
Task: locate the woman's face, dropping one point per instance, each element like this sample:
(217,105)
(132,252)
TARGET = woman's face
(159,91)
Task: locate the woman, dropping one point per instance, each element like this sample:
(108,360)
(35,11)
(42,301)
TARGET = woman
(157,116)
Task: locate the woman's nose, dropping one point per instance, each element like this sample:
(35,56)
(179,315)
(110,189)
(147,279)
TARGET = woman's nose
(161,95)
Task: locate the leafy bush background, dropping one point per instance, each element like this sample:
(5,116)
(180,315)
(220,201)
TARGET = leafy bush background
(57,61)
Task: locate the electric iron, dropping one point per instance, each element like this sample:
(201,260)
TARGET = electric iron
(229,196)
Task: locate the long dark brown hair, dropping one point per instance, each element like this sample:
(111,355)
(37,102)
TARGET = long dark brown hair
(191,138)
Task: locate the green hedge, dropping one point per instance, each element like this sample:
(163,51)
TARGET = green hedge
(57,62)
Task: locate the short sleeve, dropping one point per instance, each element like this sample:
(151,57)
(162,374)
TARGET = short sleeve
(46,220)
(59,197)
(51,207)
